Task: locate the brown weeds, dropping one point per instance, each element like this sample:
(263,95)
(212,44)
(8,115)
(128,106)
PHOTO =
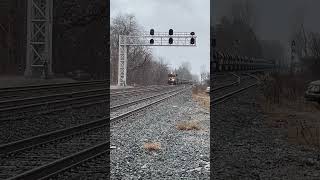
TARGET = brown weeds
(200,96)
(283,102)
(188,125)
(152,146)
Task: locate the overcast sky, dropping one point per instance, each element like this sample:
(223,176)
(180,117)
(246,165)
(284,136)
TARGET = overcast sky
(179,15)
(275,19)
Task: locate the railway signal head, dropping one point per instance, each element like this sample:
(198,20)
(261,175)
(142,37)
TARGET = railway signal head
(151,41)
(152,32)
(192,40)
(170,32)
(170,40)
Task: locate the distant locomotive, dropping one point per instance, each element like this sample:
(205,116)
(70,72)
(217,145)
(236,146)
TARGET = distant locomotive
(174,80)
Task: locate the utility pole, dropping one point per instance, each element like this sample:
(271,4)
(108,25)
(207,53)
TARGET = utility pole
(293,50)
(182,39)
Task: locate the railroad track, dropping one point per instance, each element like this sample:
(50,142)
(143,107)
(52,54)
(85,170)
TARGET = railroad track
(20,108)
(48,154)
(223,79)
(222,96)
(23,127)
(36,90)
(226,85)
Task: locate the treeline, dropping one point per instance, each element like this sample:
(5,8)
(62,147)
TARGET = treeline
(235,34)
(79,37)
(307,44)
(12,36)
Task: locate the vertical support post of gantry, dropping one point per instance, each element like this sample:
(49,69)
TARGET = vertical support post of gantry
(39,38)
(49,31)
(122,66)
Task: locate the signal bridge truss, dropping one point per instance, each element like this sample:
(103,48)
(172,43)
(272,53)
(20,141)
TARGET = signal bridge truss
(177,39)
(39,37)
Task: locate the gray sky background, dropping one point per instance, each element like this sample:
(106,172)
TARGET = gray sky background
(275,19)
(179,15)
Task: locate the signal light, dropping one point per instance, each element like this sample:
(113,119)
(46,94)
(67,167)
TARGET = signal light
(152,32)
(192,41)
(151,41)
(170,40)
(192,33)
(170,32)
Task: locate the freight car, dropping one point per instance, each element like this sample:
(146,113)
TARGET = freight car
(224,61)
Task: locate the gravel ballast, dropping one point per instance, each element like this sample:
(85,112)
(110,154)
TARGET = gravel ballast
(182,154)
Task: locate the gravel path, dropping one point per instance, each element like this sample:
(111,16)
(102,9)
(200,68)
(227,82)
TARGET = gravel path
(182,155)
(244,148)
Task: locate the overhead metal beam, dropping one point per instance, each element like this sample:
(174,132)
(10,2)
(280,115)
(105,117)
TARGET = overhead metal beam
(180,39)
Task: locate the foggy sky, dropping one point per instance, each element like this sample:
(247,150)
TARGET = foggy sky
(179,15)
(275,19)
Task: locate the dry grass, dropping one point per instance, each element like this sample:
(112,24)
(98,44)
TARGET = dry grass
(200,96)
(302,122)
(152,146)
(286,108)
(188,125)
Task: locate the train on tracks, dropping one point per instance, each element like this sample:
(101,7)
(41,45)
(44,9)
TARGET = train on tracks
(224,61)
(173,79)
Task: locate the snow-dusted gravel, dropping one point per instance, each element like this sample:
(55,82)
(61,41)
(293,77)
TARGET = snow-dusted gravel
(244,148)
(182,155)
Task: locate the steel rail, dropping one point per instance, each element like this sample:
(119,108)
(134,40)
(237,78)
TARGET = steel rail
(140,100)
(230,84)
(227,96)
(75,102)
(51,85)
(28,108)
(59,165)
(24,101)
(74,106)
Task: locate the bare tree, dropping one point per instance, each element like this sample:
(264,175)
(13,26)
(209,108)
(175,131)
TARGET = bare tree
(299,33)
(143,67)
(236,31)
(195,77)
(203,73)
(184,71)
(243,11)
(124,25)
(314,44)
